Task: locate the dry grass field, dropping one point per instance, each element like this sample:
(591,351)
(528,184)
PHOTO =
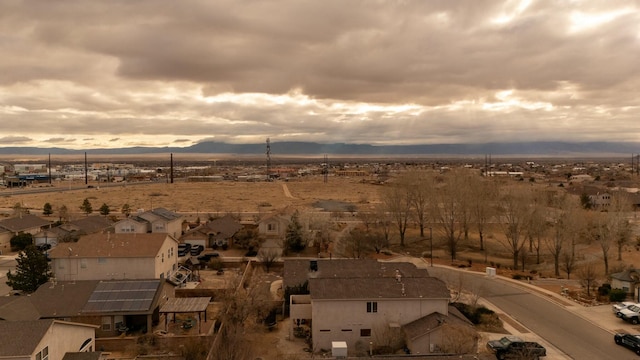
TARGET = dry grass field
(202,197)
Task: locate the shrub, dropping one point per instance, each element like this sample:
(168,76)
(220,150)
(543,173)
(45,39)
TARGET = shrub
(604,289)
(215,264)
(617,295)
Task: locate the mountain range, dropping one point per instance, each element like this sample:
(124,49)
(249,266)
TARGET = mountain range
(552,148)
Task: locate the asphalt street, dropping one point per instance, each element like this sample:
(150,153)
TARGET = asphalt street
(574,335)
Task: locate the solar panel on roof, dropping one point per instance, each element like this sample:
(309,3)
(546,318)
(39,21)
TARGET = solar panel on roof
(122,296)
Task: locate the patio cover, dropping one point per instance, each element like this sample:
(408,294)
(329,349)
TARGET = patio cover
(185,305)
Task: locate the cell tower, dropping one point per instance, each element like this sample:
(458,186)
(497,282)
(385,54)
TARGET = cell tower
(268,159)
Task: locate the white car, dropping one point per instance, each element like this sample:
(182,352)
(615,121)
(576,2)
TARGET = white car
(620,306)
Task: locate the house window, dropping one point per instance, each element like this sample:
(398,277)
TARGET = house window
(271,227)
(106,323)
(83,263)
(365,332)
(44,354)
(372,306)
(102,260)
(162,257)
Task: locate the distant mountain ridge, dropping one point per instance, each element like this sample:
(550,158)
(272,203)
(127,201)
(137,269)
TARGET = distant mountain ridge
(545,148)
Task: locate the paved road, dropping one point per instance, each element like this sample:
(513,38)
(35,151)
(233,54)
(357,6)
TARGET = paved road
(572,334)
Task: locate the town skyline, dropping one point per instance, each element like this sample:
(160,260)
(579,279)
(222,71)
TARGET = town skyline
(153,74)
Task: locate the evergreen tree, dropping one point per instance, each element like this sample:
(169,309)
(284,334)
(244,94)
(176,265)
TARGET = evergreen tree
(104,209)
(86,207)
(20,241)
(47,209)
(32,270)
(294,240)
(126,210)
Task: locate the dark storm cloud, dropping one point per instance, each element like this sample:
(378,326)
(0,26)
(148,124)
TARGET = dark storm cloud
(465,71)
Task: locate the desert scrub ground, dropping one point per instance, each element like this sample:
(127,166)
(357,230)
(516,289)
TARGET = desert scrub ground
(201,197)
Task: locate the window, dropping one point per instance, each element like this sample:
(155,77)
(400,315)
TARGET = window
(372,306)
(365,332)
(83,263)
(106,323)
(325,330)
(271,227)
(102,260)
(346,330)
(44,354)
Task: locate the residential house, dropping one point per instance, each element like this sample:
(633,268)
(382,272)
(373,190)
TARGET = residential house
(112,306)
(274,225)
(217,232)
(74,229)
(44,339)
(627,280)
(363,301)
(158,220)
(106,256)
(24,223)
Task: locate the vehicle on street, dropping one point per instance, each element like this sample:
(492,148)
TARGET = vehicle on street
(620,306)
(631,314)
(513,347)
(629,341)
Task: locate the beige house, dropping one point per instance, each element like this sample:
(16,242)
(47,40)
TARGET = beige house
(158,220)
(217,232)
(24,223)
(106,256)
(365,303)
(44,339)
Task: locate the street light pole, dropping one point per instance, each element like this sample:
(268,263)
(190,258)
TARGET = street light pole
(431,244)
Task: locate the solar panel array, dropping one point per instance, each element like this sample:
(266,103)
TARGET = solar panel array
(122,296)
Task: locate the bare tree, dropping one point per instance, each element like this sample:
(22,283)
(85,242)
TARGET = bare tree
(588,277)
(482,197)
(563,217)
(356,244)
(268,257)
(600,231)
(397,201)
(384,222)
(447,212)
(420,185)
(514,211)
(536,226)
(620,225)
(569,261)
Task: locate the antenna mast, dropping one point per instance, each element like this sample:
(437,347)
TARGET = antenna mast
(268,159)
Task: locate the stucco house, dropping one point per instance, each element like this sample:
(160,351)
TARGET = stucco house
(216,232)
(628,281)
(366,302)
(158,220)
(44,339)
(24,223)
(274,226)
(106,256)
(73,229)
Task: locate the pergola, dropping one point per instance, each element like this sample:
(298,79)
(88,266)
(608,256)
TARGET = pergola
(185,305)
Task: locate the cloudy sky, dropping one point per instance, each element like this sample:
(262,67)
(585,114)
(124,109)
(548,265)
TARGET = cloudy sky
(86,74)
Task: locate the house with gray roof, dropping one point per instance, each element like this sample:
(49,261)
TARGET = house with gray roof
(363,301)
(44,339)
(112,307)
(158,220)
(24,223)
(217,232)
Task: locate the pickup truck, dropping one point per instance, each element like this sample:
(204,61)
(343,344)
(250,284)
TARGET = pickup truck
(631,314)
(512,347)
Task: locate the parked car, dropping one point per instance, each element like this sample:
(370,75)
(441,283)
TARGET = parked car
(184,249)
(208,256)
(196,250)
(620,306)
(44,247)
(629,341)
(631,314)
(512,347)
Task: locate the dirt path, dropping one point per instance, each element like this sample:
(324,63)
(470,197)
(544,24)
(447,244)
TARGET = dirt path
(287,193)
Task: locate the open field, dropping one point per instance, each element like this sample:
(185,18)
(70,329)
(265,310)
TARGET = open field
(203,197)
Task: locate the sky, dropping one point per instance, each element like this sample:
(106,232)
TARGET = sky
(121,73)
